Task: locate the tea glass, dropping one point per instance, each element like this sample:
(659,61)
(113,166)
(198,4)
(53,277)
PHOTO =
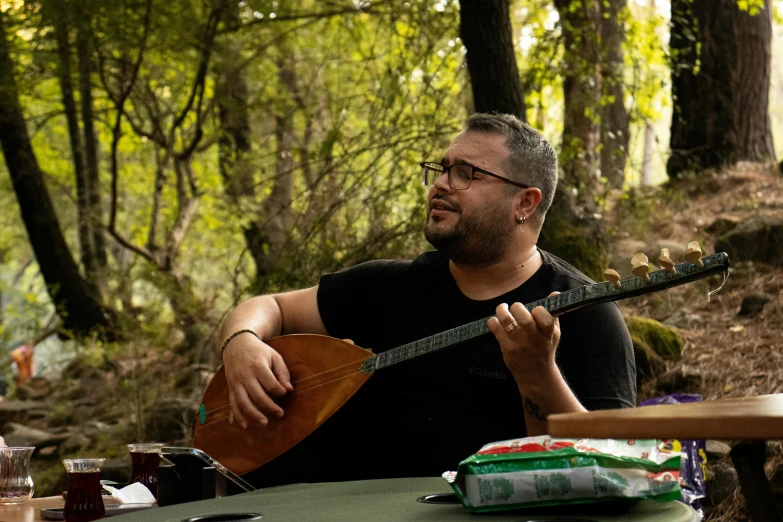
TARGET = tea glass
(16,485)
(144,465)
(83,501)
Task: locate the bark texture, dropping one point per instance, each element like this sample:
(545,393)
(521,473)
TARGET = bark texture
(580,21)
(485,29)
(615,129)
(91,162)
(754,62)
(720,86)
(57,14)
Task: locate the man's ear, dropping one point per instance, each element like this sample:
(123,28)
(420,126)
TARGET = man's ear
(528,201)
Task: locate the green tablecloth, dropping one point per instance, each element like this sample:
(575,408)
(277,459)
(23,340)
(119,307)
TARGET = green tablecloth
(392,500)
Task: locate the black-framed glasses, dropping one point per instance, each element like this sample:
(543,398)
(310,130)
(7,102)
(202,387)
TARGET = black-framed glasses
(460,175)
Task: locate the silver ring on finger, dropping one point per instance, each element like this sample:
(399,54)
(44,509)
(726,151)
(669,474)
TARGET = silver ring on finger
(512,326)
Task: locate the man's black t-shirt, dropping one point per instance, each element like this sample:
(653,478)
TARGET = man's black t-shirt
(421,417)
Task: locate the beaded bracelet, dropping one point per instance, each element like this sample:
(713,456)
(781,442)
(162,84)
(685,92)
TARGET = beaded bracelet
(228,339)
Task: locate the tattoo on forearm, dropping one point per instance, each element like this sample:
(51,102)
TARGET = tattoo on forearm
(534,410)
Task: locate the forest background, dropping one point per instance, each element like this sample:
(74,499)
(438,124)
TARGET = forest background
(166,160)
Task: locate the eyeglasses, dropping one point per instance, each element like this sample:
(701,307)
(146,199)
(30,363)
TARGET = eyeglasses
(460,175)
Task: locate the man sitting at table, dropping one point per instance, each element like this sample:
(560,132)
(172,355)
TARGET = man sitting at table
(487,201)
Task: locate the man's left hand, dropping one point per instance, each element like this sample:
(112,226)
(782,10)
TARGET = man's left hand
(528,339)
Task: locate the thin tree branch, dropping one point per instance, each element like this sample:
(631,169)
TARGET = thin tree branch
(177,234)
(116,133)
(157,195)
(198,84)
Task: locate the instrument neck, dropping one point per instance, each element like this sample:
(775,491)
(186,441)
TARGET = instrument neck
(557,305)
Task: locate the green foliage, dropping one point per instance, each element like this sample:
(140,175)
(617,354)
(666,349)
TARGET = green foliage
(647,67)
(646,77)
(367,102)
(752,7)
(369,94)
(539,57)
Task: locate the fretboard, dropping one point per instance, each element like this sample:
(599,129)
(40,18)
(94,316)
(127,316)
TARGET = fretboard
(559,305)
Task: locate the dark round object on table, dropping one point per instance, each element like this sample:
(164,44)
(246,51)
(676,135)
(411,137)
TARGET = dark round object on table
(225,517)
(439,498)
(560,519)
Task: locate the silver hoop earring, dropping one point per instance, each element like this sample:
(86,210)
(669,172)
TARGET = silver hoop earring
(521,220)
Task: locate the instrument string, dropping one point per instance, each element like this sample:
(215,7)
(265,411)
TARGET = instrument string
(725,278)
(315,375)
(298,383)
(295,392)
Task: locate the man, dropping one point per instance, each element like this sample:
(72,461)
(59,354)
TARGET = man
(487,201)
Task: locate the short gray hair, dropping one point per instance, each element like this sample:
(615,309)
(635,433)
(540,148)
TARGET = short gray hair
(531,159)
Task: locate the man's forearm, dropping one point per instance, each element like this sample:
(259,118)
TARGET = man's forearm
(547,394)
(260,314)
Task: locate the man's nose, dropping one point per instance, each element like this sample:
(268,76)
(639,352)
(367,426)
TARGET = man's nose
(442,182)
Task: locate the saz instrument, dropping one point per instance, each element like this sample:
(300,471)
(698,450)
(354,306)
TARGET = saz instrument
(327,372)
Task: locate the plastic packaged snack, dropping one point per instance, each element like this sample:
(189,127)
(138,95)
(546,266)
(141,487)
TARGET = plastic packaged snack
(543,471)
(694,461)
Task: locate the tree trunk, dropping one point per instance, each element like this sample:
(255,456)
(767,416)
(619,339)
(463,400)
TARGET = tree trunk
(231,94)
(720,85)
(704,56)
(575,236)
(485,29)
(91,164)
(73,298)
(59,19)
(582,93)
(615,130)
(276,209)
(754,62)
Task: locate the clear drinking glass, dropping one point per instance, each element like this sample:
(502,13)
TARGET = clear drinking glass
(16,485)
(83,502)
(144,465)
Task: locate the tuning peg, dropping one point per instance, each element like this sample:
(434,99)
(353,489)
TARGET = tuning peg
(640,266)
(612,276)
(666,262)
(693,253)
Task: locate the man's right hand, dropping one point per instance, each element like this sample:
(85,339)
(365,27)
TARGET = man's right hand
(256,375)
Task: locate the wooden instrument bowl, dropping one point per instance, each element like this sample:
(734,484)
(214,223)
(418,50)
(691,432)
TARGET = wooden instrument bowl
(324,373)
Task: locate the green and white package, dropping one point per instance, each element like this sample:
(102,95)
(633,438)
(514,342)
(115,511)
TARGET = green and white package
(542,471)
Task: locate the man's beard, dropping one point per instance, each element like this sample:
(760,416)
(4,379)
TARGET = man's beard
(481,237)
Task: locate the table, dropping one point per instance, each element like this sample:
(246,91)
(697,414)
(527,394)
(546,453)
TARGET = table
(28,511)
(389,500)
(746,418)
